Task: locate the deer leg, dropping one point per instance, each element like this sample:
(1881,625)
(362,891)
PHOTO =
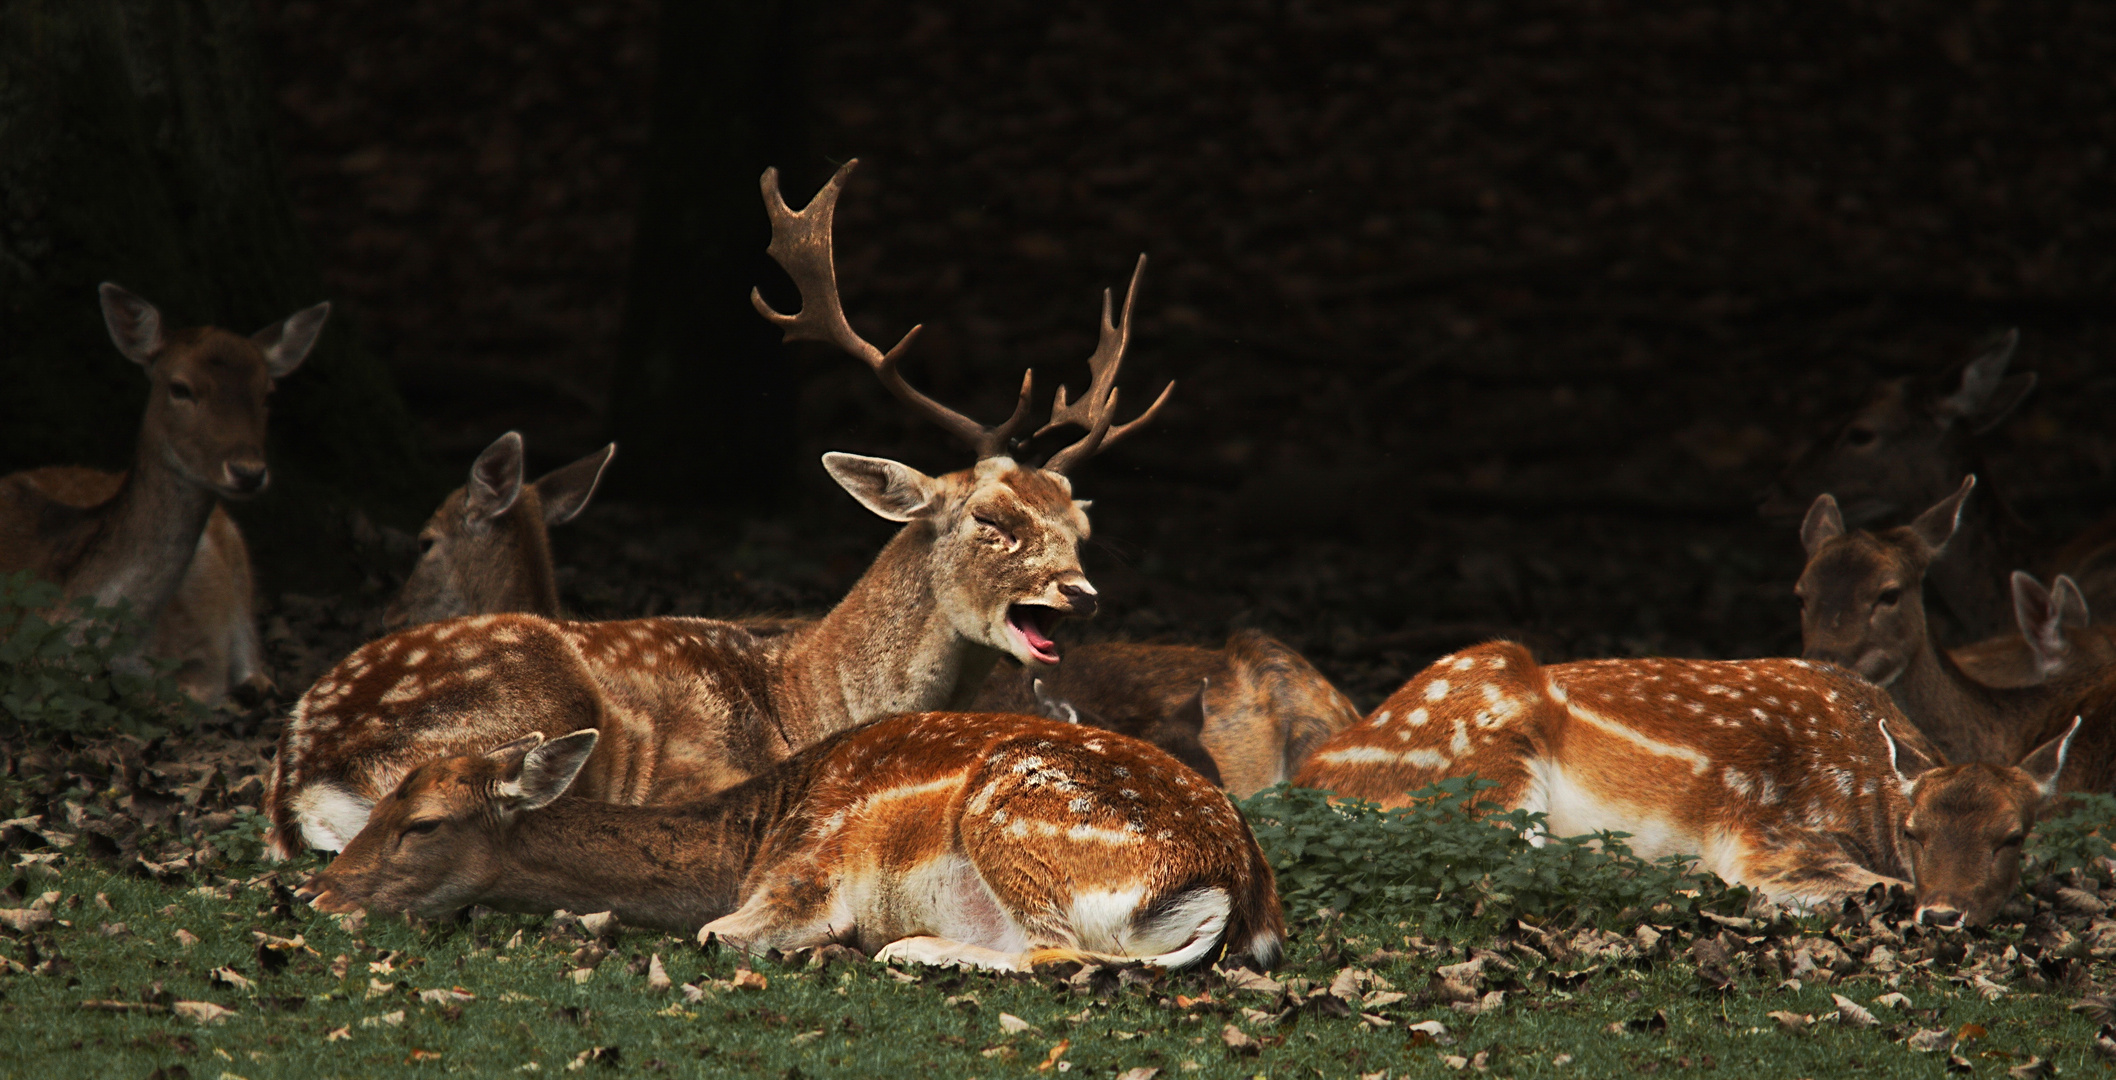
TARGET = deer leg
(941,952)
(1809,875)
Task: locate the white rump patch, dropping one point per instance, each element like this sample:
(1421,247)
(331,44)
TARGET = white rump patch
(330,816)
(1181,934)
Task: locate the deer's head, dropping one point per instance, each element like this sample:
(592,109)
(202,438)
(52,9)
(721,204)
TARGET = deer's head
(1005,535)
(1862,603)
(486,550)
(1904,446)
(1967,824)
(206,408)
(433,846)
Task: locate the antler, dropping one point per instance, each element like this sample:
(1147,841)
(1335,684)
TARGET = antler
(800,241)
(1098,406)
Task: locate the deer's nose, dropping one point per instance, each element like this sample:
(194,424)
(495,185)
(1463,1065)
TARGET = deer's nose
(1079,598)
(1939,915)
(248,477)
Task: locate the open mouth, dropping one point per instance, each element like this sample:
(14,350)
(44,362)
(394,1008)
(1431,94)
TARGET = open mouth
(1033,622)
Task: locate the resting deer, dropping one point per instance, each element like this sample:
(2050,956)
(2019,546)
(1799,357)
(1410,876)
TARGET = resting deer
(1264,707)
(987,558)
(1800,780)
(1862,607)
(487,548)
(156,535)
(986,841)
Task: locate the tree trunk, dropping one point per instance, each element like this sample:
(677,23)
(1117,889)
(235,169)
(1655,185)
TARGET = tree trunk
(135,148)
(702,402)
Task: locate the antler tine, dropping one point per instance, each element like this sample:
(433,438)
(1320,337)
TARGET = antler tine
(801,243)
(1097,406)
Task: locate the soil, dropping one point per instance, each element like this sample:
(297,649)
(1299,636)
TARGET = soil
(1486,319)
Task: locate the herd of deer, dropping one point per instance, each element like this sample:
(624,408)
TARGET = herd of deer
(918,772)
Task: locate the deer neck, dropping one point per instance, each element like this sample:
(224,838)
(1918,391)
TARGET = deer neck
(886,648)
(665,868)
(145,538)
(1965,720)
(1970,580)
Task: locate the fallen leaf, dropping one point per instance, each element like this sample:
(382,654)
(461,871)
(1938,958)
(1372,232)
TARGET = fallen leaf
(657,976)
(203,1012)
(391,1019)
(1455,1062)
(1050,1060)
(1351,981)
(745,979)
(1956,1063)
(1376,1020)
(1930,1039)
(962,1001)
(339,1034)
(1791,1021)
(1561,1060)
(1014,1025)
(1852,1013)
(1245,979)
(582,975)
(1429,1029)
(1489,1002)
(599,923)
(1893,1001)
(1970,1032)
(446,997)
(24,920)
(1240,1041)
(2032,1069)
(1139,1073)
(1990,990)
(423,1055)
(185,937)
(2099,1008)
(229,977)
(1184,1001)
(2105,1046)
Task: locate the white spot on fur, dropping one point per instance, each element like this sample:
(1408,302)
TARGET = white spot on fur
(1465,663)
(1417,717)
(1383,717)
(1436,690)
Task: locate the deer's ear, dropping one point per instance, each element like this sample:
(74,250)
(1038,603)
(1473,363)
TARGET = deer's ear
(495,479)
(2041,621)
(1986,394)
(1910,758)
(1936,526)
(1823,523)
(892,489)
(2044,763)
(287,343)
(511,752)
(546,771)
(2071,603)
(565,492)
(135,325)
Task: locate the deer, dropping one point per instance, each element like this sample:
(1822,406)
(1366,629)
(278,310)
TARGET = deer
(986,562)
(958,839)
(1862,607)
(156,537)
(1904,448)
(1798,779)
(487,548)
(1264,708)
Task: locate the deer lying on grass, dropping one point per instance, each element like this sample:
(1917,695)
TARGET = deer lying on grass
(1799,780)
(994,842)
(987,558)
(1264,707)
(156,535)
(1862,607)
(487,549)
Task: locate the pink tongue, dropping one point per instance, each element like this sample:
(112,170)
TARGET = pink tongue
(1043,646)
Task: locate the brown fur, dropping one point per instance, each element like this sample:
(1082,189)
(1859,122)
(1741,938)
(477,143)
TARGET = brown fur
(1265,707)
(155,536)
(847,840)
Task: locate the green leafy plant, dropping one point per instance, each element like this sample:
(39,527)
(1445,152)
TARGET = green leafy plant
(75,666)
(1450,856)
(2078,838)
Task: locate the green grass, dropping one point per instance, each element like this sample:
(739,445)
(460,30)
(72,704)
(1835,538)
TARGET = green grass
(856,1019)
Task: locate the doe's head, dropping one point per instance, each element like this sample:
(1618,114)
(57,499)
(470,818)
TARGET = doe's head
(1862,604)
(206,407)
(487,550)
(1966,825)
(435,844)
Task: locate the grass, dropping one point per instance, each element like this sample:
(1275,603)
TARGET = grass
(855,1019)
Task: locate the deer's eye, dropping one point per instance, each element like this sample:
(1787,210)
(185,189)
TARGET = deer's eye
(421,828)
(2012,841)
(992,530)
(180,390)
(426,544)
(1860,436)
(1909,837)
(1889,597)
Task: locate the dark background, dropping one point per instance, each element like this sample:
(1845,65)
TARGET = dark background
(1486,318)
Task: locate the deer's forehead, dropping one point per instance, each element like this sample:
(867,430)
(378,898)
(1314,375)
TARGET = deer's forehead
(215,355)
(1033,493)
(453,784)
(1974,792)
(1853,560)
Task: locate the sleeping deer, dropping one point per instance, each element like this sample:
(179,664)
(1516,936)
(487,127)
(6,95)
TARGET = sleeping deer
(985,841)
(1261,708)
(1862,607)
(156,535)
(487,549)
(987,558)
(1800,780)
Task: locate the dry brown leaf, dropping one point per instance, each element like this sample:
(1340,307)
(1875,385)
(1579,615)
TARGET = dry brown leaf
(1139,1073)
(1014,1025)
(339,1034)
(185,937)
(1239,1041)
(231,978)
(1930,1039)
(745,979)
(2099,1008)
(2032,1069)
(388,1019)
(202,1012)
(446,997)
(1245,979)
(1050,1060)
(1791,1021)
(24,920)
(598,923)
(657,976)
(1852,1013)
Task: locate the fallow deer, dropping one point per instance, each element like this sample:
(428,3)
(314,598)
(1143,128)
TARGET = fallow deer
(1862,607)
(1265,707)
(2057,637)
(1906,447)
(156,535)
(487,549)
(995,842)
(1794,778)
(988,556)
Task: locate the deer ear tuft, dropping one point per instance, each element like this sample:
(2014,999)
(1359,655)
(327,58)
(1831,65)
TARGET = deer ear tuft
(1823,523)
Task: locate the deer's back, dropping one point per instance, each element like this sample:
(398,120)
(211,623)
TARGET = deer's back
(46,522)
